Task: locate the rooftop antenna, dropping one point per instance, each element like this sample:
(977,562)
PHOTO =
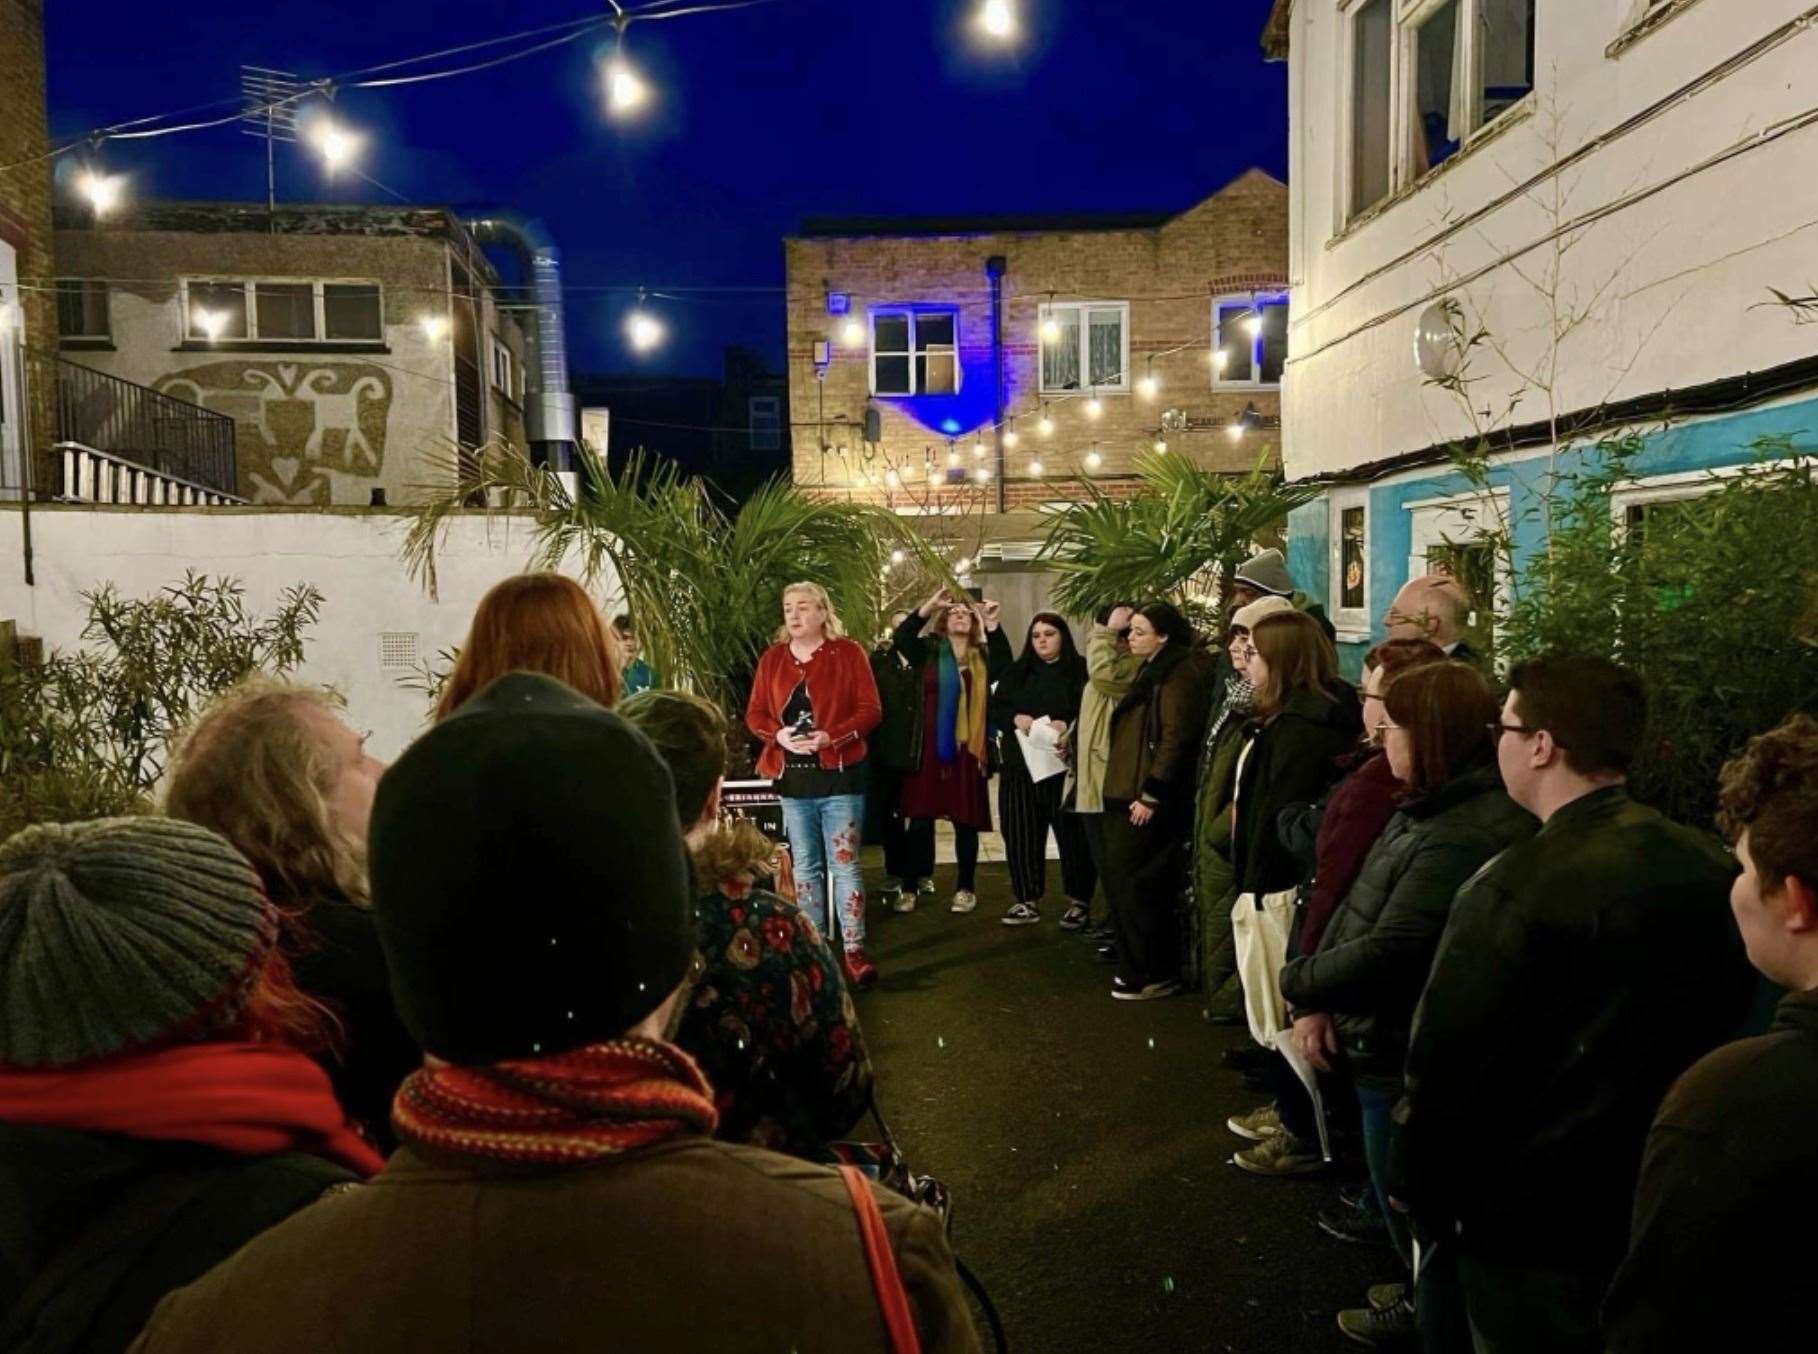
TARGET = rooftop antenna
(271,112)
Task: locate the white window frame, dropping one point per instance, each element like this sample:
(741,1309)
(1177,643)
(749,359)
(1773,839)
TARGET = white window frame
(771,439)
(913,314)
(1250,300)
(1085,309)
(250,285)
(1407,17)
(1459,519)
(1352,623)
(107,307)
(502,364)
(1680,486)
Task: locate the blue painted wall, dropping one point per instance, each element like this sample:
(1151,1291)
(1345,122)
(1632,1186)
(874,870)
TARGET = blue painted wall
(1708,444)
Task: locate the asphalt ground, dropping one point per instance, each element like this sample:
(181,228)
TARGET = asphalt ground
(1084,1143)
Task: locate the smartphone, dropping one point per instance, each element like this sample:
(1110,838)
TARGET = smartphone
(976,594)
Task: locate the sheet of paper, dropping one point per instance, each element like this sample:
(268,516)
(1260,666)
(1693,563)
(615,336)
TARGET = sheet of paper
(1038,747)
(1284,1043)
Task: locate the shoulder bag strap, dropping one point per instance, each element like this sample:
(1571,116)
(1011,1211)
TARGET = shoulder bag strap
(892,1298)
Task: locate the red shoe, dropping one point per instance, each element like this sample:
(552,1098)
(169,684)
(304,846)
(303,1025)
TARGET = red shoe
(860,972)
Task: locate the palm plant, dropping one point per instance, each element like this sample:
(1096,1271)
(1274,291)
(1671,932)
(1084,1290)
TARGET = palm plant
(703,584)
(1176,538)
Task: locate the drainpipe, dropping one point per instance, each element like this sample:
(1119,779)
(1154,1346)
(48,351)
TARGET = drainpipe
(549,414)
(994,270)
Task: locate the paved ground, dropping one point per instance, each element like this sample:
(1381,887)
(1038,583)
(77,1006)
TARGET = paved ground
(1084,1141)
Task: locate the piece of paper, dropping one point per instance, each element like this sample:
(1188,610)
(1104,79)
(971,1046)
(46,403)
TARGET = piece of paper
(1039,748)
(1284,1043)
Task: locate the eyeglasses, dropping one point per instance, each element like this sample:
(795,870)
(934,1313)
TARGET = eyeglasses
(1383,726)
(1497,729)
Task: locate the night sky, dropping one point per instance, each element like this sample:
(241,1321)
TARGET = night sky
(761,117)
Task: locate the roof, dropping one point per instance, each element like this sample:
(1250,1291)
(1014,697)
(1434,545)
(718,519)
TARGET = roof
(1275,31)
(217,218)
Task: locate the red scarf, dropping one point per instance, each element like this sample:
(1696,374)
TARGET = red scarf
(252,1100)
(587,1103)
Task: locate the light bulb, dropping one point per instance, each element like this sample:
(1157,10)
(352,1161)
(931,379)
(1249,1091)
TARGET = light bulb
(102,190)
(1010,437)
(1219,358)
(1094,408)
(1161,444)
(897,556)
(1254,326)
(852,333)
(978,450)
(962,565)
(1236,431)
(1050,330)
(211,323)
(1093,459)
(952,455)
(982,474)
(644,330)
(1045,427)
(934,475)
(626,91)
(336,145)
(997,18)
(1149,386)
(435,327)
(1035,465)
(893,479)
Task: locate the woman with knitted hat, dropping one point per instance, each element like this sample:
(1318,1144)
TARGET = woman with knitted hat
(157,1109)
(962,653)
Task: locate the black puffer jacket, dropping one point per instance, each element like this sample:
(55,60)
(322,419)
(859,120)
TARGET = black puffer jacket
(1294,759)
(896,743)
(1373,959)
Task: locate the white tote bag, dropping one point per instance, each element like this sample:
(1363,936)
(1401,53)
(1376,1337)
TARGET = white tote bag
(1260,923)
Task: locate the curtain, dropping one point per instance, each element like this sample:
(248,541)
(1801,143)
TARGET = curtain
(1060,359)
(1106,338)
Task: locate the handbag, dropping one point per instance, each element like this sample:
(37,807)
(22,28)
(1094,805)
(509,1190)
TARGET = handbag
(892,1298)
(1260,924)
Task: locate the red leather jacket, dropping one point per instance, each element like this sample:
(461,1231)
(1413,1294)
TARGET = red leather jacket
(841,689)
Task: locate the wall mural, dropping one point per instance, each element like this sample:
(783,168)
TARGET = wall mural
(307,432)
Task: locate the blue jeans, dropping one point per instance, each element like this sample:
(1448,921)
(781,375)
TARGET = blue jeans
(1377,1104)
(824,836)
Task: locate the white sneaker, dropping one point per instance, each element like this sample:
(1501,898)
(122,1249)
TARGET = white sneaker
(964,901)
(1022,914)
(903,901)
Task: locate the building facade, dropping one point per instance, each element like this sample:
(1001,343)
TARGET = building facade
(944,366)
(355,348)
(1523,226)
(25,223)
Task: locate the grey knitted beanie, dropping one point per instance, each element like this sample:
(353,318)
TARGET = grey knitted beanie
(116,932)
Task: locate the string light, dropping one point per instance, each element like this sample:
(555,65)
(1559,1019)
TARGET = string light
(335,144)
(435,327)
(952,454)
(963,564)
(852,333)
(1220,358)
(1254,325)
(997,18)
(1093,459)
(626,92)
(897,556)
(1094,407)
(211,323)
(644,330)
(893,479)
(982,474)
(1035,465)
(1161,445)
(1050,329)
(978,449)
(1011,438)
(1046,426)
(103,191)
(934,475)
(1149,386)
(1236,430)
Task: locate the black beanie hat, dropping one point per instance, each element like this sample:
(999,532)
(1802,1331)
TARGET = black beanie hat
(529,877)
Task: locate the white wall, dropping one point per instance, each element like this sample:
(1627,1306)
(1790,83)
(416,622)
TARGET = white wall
(1669,283)
(351,557)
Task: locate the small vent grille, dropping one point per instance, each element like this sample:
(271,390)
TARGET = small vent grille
(397,649)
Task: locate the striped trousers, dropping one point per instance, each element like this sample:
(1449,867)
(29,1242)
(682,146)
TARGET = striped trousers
(1026,812)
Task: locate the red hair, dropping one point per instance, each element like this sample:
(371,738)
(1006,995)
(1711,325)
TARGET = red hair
(543,623)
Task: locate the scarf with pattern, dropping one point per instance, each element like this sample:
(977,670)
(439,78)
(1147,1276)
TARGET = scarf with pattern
(587,1103)
(1240,700)
(960,705)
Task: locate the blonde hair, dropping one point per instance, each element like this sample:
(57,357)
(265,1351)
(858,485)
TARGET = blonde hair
(817,594)
(249,768)
(540,622)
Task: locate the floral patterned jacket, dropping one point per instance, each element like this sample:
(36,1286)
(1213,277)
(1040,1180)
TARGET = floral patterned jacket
(771,1023)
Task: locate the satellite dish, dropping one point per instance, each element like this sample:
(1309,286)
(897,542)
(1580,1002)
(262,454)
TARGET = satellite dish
(1439,341)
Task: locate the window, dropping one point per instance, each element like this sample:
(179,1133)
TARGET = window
(502,370)
(1250,338)
(765,414)
(914,352)
(1086,346)
(1350,598)
(1372,106)
(282,311)
(82,308)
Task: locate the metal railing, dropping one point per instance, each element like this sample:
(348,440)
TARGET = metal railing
(135,423)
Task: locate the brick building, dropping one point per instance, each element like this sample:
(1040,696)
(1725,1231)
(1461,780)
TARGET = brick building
(25,217)
(354,347)
(988,365)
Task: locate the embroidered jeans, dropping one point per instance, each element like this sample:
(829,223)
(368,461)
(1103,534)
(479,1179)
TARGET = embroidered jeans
(824,837)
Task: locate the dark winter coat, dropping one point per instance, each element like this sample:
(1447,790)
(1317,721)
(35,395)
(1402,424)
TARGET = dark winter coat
(1157,728)
(1332,839)
(343,966)
(1293,759)
(1373,959)
(896,743)
(1729,1165)
(95,1229)
(694,1244)
(1581,973)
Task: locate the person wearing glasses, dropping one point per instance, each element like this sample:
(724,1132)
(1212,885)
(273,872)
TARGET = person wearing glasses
(1354,996)
(1580,973)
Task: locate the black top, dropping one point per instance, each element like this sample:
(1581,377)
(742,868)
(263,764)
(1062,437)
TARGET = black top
(803,775)
(1035,689)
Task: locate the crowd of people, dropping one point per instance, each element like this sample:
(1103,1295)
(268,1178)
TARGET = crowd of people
(492,1047)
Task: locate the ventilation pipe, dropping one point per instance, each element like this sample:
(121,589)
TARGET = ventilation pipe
(549,414)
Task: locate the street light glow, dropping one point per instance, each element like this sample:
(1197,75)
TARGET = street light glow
(644,330)
(626,91)
(997,18)
(103,191)
(435,327)
(335,145)
(210,322)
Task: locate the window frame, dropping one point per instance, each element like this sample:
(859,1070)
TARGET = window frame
(498,353)
(1085,309)
(65,285)
(1250,301)
(771,439)
(1351,623)
(250,299)
(912,313)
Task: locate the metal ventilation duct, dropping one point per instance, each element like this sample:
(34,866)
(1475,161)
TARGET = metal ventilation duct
(549,413)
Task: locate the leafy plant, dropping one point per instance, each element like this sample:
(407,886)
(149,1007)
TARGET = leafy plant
(1184,531)
(703,584)
(83,733)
